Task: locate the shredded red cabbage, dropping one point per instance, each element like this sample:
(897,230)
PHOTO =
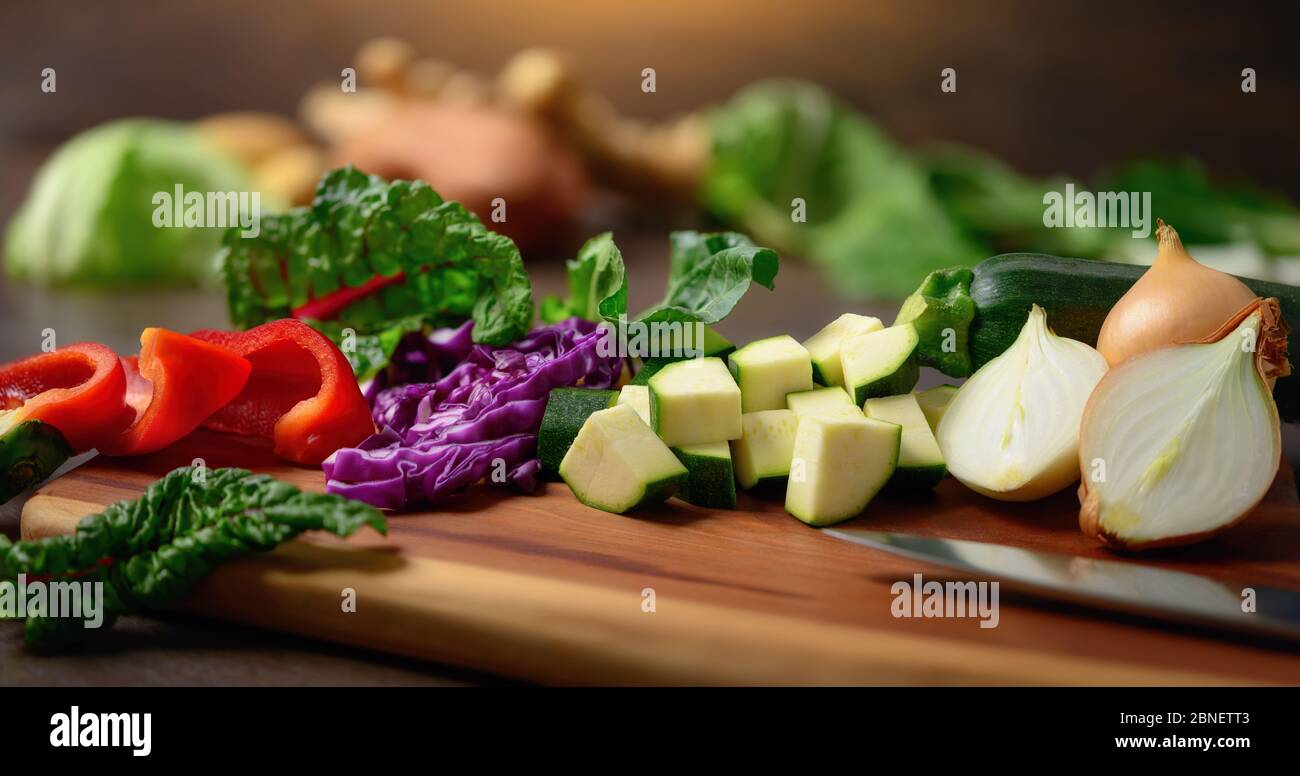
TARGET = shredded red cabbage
(454,413)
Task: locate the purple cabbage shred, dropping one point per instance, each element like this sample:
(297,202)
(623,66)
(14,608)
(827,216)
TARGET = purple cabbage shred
(452,413)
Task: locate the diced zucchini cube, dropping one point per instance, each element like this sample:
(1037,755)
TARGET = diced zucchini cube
(617,463)
(882,363)
(762,454)
(824,346)
(838,465)
(638,398)
(768,369)
(693,402)
(920,464)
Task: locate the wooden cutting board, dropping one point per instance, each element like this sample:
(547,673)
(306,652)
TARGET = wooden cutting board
(541,587)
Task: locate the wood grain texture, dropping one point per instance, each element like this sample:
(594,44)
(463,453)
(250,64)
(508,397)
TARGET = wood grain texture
(541,587)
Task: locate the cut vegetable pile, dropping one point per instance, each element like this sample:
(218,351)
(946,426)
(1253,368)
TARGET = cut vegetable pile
(1172,420)
(758,421)
(1179,439)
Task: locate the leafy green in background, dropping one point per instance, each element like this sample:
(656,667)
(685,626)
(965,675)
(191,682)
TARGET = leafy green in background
(360,228)
(878,218)
(150,553)
(872,221)
(1209,213)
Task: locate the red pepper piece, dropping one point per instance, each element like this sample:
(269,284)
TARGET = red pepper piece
(79,390)
(301,393)
(175,384)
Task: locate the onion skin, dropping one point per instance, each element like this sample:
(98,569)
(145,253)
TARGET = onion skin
(1177,300)
(1270,363)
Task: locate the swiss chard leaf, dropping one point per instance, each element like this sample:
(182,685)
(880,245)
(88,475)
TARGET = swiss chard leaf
(361,227)
(151,552)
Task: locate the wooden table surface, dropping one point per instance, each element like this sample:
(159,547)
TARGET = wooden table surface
(545,588)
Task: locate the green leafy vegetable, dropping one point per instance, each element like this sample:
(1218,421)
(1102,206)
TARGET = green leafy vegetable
(1002,210)
(709,273)
(369,353)
(29,453)
(391,250)
(803,172)
(1207,212)
(89,219)
(798,170)
(597,283)
(150,553)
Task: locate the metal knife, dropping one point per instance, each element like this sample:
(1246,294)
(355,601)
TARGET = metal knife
(1125,587)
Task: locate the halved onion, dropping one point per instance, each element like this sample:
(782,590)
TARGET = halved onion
(1012,431)
(1180,443)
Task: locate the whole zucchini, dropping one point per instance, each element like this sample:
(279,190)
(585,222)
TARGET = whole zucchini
(966,317)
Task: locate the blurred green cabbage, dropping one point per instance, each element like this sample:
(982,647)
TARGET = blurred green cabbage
(88,220)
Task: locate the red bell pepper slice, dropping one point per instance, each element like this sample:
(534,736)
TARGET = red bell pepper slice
(175,384)
(79,390)
(301,393)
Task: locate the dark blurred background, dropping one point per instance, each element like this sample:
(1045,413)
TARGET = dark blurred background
(1050,87)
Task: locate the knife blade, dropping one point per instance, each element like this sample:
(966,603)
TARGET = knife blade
(1130,588)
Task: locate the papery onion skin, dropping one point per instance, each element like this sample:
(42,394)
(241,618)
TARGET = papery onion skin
(1177,300)
(1270,364)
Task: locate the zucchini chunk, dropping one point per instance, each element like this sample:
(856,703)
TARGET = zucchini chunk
(711,481)
(767,370)
(824,346)
(762,454)
(566,410)
(617,463)
(637,397)
(920,464)
(821,401)
(693,402)
(882,363)
(934,402)
(838,465)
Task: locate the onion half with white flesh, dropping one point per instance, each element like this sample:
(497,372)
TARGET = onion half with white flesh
(1012,431)
(1182,442)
